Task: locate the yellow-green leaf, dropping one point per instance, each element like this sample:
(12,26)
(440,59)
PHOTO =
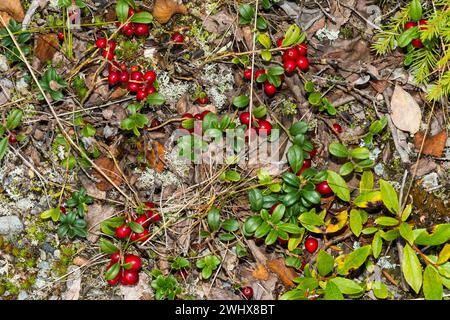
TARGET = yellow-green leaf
(354,260)
(432,284)
(389,196)
(411,268)
(444,255)
(338,185)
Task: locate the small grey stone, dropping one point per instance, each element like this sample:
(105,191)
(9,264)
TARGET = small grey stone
(10,225)
(48,248)
(57,254)
(39,284)
(44,265)
(22,295)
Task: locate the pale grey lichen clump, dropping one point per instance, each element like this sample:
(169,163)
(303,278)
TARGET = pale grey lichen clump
(172,91)
(148,178)
(219,80)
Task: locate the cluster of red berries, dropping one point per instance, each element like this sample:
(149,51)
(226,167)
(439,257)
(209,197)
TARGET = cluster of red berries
(130,29)
(263,127)
(124,231)
(269,88)
(294,57)
(416,43)
(135,80)
(129,270)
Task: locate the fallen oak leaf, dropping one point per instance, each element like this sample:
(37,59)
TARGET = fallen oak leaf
(433,146)
(109,168)
(163,10)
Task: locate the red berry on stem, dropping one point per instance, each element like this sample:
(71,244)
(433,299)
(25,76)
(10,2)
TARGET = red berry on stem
(417,43)
(422,23)
(312,153)
(116,279)
(108,54)
(337,127)
(311,245)
(291,54)
(12,138)
(128,29)
(115,257)
(112,45)
(113,78)
(133,86)
(410,24)
(137,76)
(204,113)
(150,90)
(187,116)
(272,209)
(177,37)
(203,100)
(289,66)
(123,231)
(150,204)
(130,12)
(302,49)
(280,42)
(124,77)
(264,127)
(303,63)
(144,235)
(259,73)
(248,74)
(143,220)
(150,77)
(323,188)
(183,273)
(62,209)
(198,116)
(306,165)
(141,94)
(134,260)
(247,292)
(245,118)
(141,29)
(61,36)
(269,89)
(129,278)
(101,43)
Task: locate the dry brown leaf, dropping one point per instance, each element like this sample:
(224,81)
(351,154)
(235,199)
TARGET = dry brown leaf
(156,156)
(163,10)
(11,9)
(80,261)
(109,168)
(285,274)
(260,273)
(433,146)
(73,284)
(423,167)
(46,47)
(379,85)
(119,93)
(405,112)
(95,215)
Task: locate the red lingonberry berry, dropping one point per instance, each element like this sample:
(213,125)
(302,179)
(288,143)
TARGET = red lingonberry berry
(311,245)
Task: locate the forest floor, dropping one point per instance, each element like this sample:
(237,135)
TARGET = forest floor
(90,153)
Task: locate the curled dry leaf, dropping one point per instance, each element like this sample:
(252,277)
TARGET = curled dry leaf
(260,272)
(163,10)
(423,167)
(433,146)
(11,9)
(285,274)
(156,156)
(109,168)
(405,112)
(95,215)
